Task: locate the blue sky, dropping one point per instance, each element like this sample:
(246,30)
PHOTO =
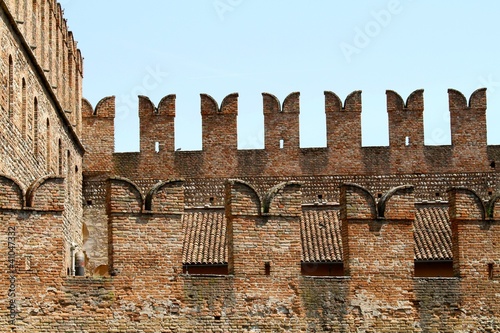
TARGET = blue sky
(161,47)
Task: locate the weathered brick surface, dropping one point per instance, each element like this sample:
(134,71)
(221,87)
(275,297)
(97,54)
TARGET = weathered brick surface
(40,155)
(129,213)
(282,155)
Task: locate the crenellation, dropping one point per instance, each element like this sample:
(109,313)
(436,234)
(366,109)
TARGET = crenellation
(281,122)
(343,131)
(99,136)
(468,130)
(13,196)
(166,198)
(157,125)
(344,154)
(219,134)
(219,125)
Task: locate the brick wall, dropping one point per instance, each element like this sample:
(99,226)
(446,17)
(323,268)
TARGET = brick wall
(282,156)
(40,110)
(128,219)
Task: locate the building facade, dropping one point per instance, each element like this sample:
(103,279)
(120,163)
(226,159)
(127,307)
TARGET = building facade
(344,238)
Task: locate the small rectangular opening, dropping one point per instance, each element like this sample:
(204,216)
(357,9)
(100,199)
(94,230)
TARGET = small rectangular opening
(322,269)
(490,271)
(199,269)
(282,143)
(407,141)
(157,147)
(434,268)
(267,268)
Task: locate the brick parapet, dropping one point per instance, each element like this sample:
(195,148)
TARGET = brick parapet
(468,123)
(282,155)
(263,238)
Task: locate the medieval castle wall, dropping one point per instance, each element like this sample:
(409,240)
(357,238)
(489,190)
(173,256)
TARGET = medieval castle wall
(40,152)
(343,238)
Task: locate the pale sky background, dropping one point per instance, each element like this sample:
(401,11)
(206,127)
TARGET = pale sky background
(161,47)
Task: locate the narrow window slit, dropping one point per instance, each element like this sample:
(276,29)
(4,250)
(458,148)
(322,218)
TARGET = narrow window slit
(267,268)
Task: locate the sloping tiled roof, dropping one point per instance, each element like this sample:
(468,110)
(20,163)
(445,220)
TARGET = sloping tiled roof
(205,240)
(320,235)
(205,237)
(432,233)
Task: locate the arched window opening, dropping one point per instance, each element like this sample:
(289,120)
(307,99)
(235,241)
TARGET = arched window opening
(70,71)
(70,90)
(77,102)
(34,24)
(68,174)
(42,32)
(48,141)
(59,158)
(51,43)
(23,108)
(10,88)
(35,127)
(64,82)
(56,56)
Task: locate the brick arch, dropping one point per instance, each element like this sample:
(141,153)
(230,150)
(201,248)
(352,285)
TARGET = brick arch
(492,211)
(472,199)
(384,200)
(247,195)
(125,196)
(11,194)
(152,195)
(46,193)
(366,209)
(274,192)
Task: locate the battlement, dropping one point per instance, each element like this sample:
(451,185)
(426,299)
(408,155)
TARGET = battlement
(344,154)
(42,26)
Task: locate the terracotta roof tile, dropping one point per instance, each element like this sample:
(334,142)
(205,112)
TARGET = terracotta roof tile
(432,233)
(320,235)
(320,230)
(204,237)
